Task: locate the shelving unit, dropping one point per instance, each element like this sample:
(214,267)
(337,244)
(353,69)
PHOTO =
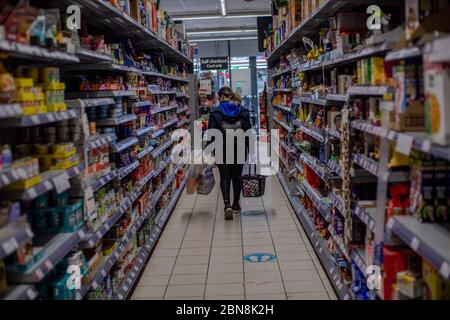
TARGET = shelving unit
(100,143)
(345,172)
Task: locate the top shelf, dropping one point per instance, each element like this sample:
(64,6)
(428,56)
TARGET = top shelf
(311,25)
(103,14)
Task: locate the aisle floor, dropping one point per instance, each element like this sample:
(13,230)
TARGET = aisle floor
(200,255)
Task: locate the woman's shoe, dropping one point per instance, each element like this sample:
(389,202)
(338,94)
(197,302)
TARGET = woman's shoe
(228,213)
(236,209)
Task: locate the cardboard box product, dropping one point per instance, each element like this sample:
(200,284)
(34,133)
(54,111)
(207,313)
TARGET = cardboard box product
(435,286)
(437,105)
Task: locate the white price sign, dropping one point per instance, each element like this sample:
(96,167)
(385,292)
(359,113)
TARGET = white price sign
(61,182)
(404,144)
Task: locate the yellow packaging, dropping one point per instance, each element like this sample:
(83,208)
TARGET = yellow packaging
(56,86)
(409,285)
(435,286)
(41,109)
(24,184)
(22,95)
(3,284)
(377,71)
(63,150)
(24,82)
(29,110)
(56,107)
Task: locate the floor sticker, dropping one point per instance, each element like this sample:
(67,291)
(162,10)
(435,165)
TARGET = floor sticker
(260,257)
(253,213)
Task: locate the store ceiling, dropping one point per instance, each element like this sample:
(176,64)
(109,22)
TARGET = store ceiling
(211,24)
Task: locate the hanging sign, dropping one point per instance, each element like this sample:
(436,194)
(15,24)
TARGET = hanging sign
(214,63)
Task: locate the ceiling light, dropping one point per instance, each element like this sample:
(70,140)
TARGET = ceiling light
(247,16)
(230,15)
(220,31)
(222,7)
(225,39)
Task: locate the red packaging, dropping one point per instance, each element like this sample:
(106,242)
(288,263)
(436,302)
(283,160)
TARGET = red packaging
(395,260)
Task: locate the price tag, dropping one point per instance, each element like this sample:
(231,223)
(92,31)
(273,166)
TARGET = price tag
(8,247)
(414,243)
(31,294)
(391,135)
(61,182)
(48,265)
(404,144)
(426,146)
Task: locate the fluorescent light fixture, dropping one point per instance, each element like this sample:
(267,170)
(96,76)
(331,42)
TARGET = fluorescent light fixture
(220,31)
(197,18)
(225,39)
(222,7)
(247,16)
(214,15)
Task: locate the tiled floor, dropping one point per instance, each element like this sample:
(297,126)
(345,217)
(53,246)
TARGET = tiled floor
(200,255)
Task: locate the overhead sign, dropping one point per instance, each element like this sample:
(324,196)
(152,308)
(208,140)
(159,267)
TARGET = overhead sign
(214,63)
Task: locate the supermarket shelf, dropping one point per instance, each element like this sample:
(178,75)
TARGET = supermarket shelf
(182,110)
(334,97)
(285,108)
(142,131)
(299,167)
(332,59)
(124,144)
(160,110)
(372,167)
(158,133)
(143,103)
(183,122)
(10,110)
(86,55)
(419,140)
(162,166)
(47,184)
(144,152)
(317,134)
(314,164)
(23,292)
(162,219)
(146,179)
(430,240)
(337,202)
(171,122)
(406,53)
(123,172)
(53,252)
(161,92)
(333,133)
(11,175)
(319,244)
(281,73)
(100,140)
(26,51)
(316,199)
(359,257)
(183,95)
(100,94)
(285,163)
(155,153)
(367,91)
(86,103)
(37,119)
(336,168)
(97,184)
(116,121)
(92,238)
(284,125)
(339,241)
(437,51)
(365,215)
(12,237)
(286,90)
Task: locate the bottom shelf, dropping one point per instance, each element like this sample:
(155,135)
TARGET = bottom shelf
(319,244)
(20,292)
(145,252)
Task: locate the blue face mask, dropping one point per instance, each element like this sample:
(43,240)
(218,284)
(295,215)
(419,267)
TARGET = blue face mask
(230,109)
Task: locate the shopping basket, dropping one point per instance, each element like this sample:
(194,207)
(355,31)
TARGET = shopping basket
(253,186)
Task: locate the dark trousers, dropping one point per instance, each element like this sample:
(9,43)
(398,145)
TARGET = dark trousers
(230,174)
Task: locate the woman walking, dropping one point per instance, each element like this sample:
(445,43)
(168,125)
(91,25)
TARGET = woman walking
(230,115)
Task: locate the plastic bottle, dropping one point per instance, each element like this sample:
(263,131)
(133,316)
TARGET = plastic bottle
(6,156)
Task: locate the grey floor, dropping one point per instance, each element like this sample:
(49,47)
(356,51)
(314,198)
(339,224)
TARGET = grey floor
(200,255)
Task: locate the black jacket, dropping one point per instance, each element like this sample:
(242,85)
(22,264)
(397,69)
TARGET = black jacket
(217,118)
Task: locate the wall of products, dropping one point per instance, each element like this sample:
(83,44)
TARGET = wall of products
(86,120)
(365,148)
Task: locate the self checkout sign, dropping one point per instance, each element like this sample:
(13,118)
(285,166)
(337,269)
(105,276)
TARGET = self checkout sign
(214,63)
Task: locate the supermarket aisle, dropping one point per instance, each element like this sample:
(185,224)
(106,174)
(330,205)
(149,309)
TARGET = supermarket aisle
(200,256)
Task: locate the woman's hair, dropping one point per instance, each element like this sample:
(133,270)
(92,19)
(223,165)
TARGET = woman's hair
(237,98)
(226,94)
